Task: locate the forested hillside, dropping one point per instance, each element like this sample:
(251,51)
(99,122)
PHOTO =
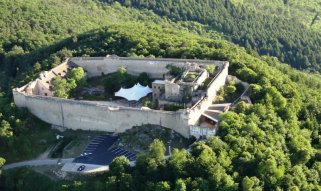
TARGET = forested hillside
(307,12)
(264,146)
(268,34)
(32,24)
(274,144)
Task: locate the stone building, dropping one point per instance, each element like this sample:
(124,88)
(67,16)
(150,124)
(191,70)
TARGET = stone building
(43,86)
(180,89)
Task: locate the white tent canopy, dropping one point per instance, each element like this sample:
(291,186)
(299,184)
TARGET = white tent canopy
(134,93)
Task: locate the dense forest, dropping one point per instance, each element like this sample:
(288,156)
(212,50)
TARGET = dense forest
(307,12)
(265,33)
(274,144)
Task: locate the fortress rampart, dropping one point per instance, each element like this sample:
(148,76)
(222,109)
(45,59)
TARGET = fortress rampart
(86,115)
(218,81)
(155,67)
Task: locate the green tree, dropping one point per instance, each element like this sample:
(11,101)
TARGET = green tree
(111,183)
(119,165)
(247,74)
(126,182)
(37,67)
(242,107)
(275,98)
(301,147)
(5,129)
(2,162)
(230,89)
(178,163)
(210,68)
(77,74)
(156,150)
(62,87)
(144,79)
(251,184)
(180,185)
(174,70)
(162,186)
(269,170)
(122,70)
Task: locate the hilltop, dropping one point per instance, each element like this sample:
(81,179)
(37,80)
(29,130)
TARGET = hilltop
(273,144)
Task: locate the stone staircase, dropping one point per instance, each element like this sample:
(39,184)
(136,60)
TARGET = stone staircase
(214,111)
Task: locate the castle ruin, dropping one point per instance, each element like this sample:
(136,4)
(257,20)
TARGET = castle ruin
(199,117)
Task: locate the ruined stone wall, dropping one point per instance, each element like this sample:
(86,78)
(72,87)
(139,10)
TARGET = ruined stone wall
(196,111)
(157,90)
(204,75)
(171,90)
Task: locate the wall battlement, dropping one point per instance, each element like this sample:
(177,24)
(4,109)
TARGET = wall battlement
(88,115)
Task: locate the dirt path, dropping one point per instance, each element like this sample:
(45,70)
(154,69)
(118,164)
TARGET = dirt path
(45,155)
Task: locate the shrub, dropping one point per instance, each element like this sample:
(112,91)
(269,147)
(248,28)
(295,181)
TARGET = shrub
(172,107)
(210,69)
(174,70)
(230,89)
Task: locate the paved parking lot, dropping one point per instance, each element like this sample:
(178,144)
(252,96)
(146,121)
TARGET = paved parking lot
(99,151)
(119,152)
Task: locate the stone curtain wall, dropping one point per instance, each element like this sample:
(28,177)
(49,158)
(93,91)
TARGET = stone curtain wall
(220,79)
(84,115)
(75,114)
(218,82)
(154,67)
